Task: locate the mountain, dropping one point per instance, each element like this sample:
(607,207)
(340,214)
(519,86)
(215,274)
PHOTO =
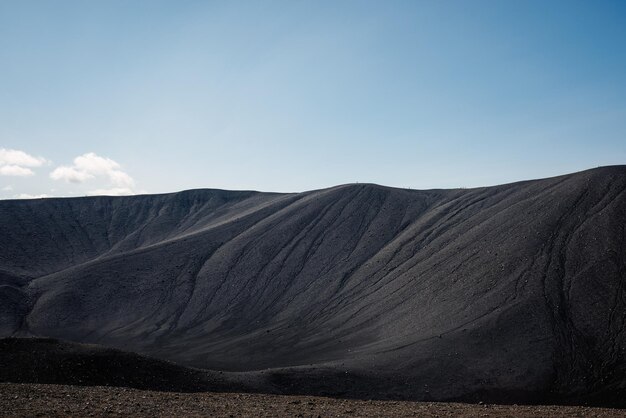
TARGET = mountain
(510,293)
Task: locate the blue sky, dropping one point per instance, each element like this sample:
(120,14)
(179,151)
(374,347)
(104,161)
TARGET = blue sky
(298,95)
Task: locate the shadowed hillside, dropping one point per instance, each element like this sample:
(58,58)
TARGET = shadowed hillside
(43,360)
(510,293)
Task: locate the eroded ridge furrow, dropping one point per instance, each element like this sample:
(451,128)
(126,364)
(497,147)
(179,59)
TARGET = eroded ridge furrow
(389,276)
(279,290)
(574,349)
(278,286)
(315,243)
(263,215)
(353,268)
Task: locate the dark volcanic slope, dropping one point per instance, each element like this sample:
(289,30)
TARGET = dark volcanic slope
(514,292)
(43,360)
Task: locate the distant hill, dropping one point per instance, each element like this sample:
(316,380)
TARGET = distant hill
(512,293)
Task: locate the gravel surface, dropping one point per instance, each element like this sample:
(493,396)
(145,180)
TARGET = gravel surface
(56,400)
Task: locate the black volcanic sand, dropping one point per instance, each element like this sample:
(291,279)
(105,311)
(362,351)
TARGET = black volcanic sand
(39,360)
(513,293)
(52,400)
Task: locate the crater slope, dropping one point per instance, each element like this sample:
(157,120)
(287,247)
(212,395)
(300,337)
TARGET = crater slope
(512,293)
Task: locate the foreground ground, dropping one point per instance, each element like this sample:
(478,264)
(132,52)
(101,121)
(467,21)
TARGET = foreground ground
(58,400)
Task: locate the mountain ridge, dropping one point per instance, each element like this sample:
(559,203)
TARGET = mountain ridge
(515,288)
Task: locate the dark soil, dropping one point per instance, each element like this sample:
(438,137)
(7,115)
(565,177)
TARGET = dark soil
(62,401)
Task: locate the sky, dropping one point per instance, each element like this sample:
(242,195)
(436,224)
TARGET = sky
(118,97)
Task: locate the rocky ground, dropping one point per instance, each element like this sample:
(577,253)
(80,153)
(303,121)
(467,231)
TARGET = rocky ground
(57,400)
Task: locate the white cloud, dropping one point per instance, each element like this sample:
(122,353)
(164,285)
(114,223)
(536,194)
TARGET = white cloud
(15,170)
(17,163)
(115,191)
(95,164)
(30,196)
(70,174)
(8,188)
(19,158)
(121,179)
(90,166)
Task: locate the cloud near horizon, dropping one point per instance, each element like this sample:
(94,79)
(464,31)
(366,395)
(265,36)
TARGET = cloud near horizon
(91,166)
(18,163)
(114,191)
(31,196)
